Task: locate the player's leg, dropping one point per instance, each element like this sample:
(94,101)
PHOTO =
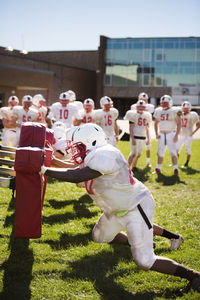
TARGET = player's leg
(160,152)
(175,239)
(148,153)
(188,146)
(173,151)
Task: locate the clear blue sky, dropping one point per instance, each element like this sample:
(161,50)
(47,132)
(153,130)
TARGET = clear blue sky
(47,25)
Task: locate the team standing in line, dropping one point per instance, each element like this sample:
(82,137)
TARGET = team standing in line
(125,202)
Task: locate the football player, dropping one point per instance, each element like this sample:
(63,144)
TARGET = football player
(167,127)
(106,118)
(126,203)
(150,108)
(39,103)
(188,120)
(24,113)
(9,122)
(88,112)
(63,111)
(139,121)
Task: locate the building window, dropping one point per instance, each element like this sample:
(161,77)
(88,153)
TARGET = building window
(147,55)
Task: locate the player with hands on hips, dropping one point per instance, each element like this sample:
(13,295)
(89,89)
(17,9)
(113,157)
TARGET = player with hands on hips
(9,122)
(106,118)
(126,203)
(88,112)
(188,120)
(139,121)
(167,127)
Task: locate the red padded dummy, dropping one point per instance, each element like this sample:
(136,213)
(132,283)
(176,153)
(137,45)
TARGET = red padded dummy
(28,192)
(28,161)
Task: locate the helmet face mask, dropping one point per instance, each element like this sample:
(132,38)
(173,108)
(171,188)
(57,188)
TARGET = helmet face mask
(13,101)
(186,107)
(27,101)
(106,103)
(141,106)
(85,139)
(166,102)
(64,99)
(88,105)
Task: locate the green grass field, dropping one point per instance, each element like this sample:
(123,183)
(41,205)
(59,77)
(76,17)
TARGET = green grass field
(66,264)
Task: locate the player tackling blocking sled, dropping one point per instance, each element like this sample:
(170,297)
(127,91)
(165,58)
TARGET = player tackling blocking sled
(126,203)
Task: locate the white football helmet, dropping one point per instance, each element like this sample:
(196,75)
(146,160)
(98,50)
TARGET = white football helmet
(141,105)
(13,101)
(27,101)
(59,130)
(143,96)
(186,107)
(166,101)
(38,100)
(72,95)
(64,98)
(85,139)
(106,102)
(88,105)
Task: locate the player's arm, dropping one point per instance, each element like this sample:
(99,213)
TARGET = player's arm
(156,124)
(69,175)
(178,128)
(131,125)
(116,129)
(147,134)
(77,122)
(8,124)
(196,129)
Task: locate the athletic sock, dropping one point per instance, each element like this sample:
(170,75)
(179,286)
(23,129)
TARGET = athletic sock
(158,166)
(169,235)
(186,273)
(175,167)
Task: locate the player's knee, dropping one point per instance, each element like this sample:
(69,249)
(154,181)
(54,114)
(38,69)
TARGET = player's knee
(144,259)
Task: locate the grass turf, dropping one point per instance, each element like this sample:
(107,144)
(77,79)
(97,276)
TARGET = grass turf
(65,264)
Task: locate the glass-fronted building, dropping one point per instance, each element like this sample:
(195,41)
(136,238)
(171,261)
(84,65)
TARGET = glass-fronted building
(153,62)
(153,65)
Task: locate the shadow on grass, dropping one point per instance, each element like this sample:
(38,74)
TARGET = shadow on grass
(17,268)
(169,180)
(142,174)
(190,171)
(100,269)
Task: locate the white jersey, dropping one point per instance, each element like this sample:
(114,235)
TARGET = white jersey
(149,107)
(87,117)
(117,190)
(7,113)
(106,119)
(166,118)
(187,123)
(78,104)
(140,121)
(42,111)
(23,115)
(64,114)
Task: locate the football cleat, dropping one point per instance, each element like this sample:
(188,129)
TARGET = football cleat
(175,171)
(176,243)
(158,171)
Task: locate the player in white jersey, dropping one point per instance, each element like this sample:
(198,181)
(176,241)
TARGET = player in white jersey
(9,122)
(88,113)
(167,127)
(107,119)
(126,203)
(150,108)
(139,121)
(39,103)
(73,100)
(188,120)
(24,113)
(63,111)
